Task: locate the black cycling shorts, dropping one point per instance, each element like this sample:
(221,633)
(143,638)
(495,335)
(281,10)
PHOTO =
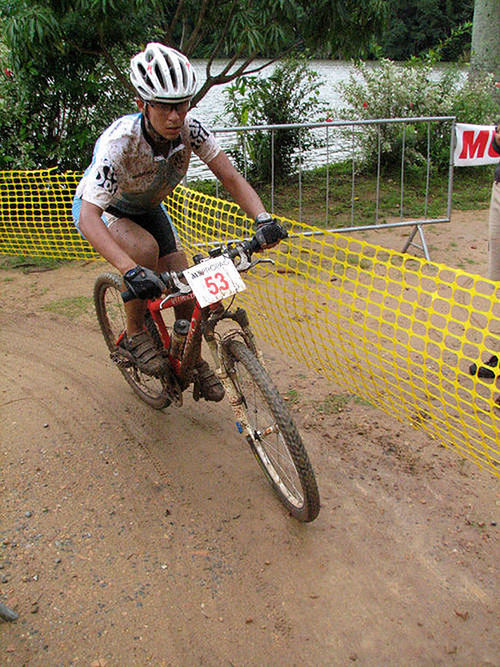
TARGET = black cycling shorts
(157,222)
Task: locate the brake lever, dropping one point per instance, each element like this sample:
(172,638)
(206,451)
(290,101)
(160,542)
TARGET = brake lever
(182,288)
(245,264)
(261,260)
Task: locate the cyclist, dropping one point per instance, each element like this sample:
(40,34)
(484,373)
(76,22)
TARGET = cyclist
(137,162)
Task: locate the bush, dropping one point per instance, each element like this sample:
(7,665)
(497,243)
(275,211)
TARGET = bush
(54,120)
(389,90)
(289,95)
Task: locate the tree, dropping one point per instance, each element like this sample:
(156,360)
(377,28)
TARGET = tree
(417,27)
(65,79)
(250,29)
(485,53)
(241,30)
(289,95)
(69,58)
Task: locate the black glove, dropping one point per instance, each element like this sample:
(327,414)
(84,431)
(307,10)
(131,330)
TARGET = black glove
(143,283)
(269,233)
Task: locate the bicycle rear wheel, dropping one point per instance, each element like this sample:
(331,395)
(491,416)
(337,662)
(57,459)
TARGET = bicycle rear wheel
(111,316)
(272,434)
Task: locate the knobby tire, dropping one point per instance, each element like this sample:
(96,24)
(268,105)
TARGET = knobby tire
(283,447)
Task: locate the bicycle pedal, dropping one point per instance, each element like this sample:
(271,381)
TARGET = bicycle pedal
(122,358)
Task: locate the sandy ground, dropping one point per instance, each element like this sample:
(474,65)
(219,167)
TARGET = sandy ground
(133,537)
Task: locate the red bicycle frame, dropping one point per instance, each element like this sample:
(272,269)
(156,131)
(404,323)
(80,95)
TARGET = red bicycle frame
(193,339)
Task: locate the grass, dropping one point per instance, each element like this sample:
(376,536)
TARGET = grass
(334,403)
(471,190)
(27,263)
(292,396)
(71,307)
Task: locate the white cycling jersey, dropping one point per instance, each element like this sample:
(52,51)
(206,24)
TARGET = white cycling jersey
(126,174)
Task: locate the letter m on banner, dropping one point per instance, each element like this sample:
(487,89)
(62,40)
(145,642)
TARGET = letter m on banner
(473,145)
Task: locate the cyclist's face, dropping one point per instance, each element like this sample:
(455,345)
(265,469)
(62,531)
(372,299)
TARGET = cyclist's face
(166,119)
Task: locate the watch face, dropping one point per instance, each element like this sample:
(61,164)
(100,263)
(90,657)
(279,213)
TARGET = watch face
(263,217)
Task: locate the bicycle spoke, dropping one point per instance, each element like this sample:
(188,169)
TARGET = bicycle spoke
(274,447)
(286,475)
(273,435)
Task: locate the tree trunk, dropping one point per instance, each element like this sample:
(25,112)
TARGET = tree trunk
(485,53)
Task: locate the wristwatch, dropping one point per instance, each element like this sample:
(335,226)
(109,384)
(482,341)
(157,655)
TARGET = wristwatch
(132,273)
(263,218)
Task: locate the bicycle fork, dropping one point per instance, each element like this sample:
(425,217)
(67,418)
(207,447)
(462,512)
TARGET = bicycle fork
(223,363)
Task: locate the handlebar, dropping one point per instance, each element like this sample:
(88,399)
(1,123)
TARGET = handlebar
(243,249)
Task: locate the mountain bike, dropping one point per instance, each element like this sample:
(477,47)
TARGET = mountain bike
(261,414)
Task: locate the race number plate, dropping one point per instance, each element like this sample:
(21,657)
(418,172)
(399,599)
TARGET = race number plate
(213,280)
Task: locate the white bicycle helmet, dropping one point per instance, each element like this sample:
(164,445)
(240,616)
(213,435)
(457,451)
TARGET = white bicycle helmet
(162,74)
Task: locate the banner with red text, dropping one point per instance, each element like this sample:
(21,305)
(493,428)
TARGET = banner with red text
(474,145)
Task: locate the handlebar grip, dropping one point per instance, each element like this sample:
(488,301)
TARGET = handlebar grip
(253,245)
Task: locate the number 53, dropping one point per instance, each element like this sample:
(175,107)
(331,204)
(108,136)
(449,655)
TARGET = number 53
(216,283)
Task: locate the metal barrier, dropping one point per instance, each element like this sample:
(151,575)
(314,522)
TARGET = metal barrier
(335,147)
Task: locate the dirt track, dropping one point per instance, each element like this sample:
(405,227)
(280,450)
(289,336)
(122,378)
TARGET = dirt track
(133,537)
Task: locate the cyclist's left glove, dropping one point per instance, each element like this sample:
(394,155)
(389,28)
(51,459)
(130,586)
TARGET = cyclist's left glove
(143,283)
(269,231)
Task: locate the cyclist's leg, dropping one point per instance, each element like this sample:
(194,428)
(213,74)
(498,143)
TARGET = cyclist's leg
(210,386)
(143,248)
(490,369)
(173,258)
(139,244)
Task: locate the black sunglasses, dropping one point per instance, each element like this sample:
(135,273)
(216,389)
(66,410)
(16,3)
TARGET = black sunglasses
(168,106)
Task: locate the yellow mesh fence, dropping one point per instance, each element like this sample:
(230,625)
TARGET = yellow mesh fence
(397,330)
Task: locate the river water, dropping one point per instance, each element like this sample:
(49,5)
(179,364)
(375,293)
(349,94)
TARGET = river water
(211,108)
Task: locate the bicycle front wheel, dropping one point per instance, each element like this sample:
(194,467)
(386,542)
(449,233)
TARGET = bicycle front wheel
(110,313)
(272,434)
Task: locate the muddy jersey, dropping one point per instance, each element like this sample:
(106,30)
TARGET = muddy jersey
(126,174)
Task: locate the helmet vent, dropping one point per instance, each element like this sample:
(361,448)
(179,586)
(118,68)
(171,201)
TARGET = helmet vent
(144,74)
(159,74)
(173,73)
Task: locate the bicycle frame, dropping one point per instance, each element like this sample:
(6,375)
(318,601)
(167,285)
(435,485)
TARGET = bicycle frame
(155,306)
(203,323)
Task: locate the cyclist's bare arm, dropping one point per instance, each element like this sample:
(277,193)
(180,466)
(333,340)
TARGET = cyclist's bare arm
(97,234)
(241,191)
